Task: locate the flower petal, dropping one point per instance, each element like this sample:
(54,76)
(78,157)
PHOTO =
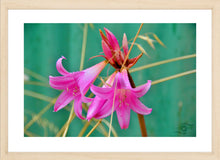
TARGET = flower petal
(95,106)
(107,52)
(60,67)
(123,114)
(141,90)
(122,81)
(112,39)
(125,44)
(104,93)
(139,107)
(89,76)
(63,82)
(118,57)
(110,80)
(86,99)
(127,83)
(133,61)
(65,98)
(78,108)
(103,37)
(106,109)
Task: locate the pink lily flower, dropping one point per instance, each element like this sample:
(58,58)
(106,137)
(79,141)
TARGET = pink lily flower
(75,85)
(123,98)
(112,50)
(97,107)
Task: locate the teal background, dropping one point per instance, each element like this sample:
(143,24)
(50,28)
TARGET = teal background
(173,102)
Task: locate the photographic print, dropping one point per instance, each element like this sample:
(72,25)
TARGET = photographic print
(110,79)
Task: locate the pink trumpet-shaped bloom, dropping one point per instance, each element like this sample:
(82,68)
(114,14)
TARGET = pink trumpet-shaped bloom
(75,85)
(113,52)
(122,97)
(97,106)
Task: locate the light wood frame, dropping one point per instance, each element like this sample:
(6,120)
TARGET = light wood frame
(214,5)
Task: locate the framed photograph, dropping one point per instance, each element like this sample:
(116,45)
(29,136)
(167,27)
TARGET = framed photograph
(128,83)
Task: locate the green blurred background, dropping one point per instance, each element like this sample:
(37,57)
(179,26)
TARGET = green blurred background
(173,102)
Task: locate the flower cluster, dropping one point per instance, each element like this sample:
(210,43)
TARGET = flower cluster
(112,50)
(116,94)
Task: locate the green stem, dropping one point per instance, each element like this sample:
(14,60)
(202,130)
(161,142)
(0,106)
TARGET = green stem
(37,95)
(35,75)
(97,124)
(36,83)
(172,77)
(85,31)
(69,121)
(112,129)
(64,127)
(162,62)
(30,134)
(83,130)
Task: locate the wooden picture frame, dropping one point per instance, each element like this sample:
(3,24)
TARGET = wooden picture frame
(119,4)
